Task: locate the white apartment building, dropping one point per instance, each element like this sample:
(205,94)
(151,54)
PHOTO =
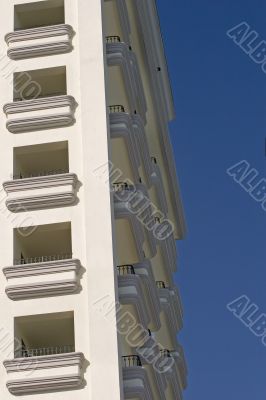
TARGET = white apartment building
(90,205)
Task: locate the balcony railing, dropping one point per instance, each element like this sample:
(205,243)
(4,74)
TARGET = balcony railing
(131,361)
(125,270)
(113,39)
(160,285)
(44,96)
(41,259)
(43,173)
(165,353)
(157,220)
(121,186)
(116,109)
(44,351)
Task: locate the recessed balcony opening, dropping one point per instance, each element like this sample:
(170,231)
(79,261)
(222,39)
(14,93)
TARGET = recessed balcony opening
(37,14)
(41,160)
(44,335)
(112,18)
(40,83)
(41,178)
(49,242)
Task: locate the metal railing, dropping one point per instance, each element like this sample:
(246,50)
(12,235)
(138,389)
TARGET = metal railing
(165,353)
(120,186)
(131,361)
(41,259)
(42,173)
(38,26)
(42,96)
(117,108)
(157,220)
(126,270)
(44,351)
(113,39)
(160,285)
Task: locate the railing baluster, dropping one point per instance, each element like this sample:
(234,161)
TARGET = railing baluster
(42,173)
(126,270)
(131,361)
(160,285)
(113,39)
(116,109)
(40,259)
(44,351)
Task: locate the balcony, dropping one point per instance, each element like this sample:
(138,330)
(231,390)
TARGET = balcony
(147,38)
(124,77)
(40,41)
(40,101)
(39,30)
(158,190)
(133,214)
(143,147)
(129,144)
(53,189)
(171,315)
(125,154)
(40,113)
(138,294)
(135,379)
(42,361)
(41,178)
(165,261)
(149,354)
(44,373)
(42,276)
(176,372)
(167,247)
(56,273)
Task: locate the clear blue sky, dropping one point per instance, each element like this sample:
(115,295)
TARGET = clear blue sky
(220,99)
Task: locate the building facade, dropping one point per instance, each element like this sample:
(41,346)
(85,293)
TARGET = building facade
(90,204)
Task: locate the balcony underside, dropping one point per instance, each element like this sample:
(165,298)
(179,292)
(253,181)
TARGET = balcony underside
(121,128)
(144,271)
(130,235)
(63,371)
(143,148)
(41,192)
(167,248)
(171,317)
(158,384)
(181,365)
(42,279)
(132,206)
(157,181)
(143,207)
(119,54)
(148,354)
(136,384)
(176,375)
(40,113)
(132,297)
(131,129)
(37,42)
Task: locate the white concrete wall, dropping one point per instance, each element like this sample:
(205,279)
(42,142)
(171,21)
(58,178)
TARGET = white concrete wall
(92,243)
